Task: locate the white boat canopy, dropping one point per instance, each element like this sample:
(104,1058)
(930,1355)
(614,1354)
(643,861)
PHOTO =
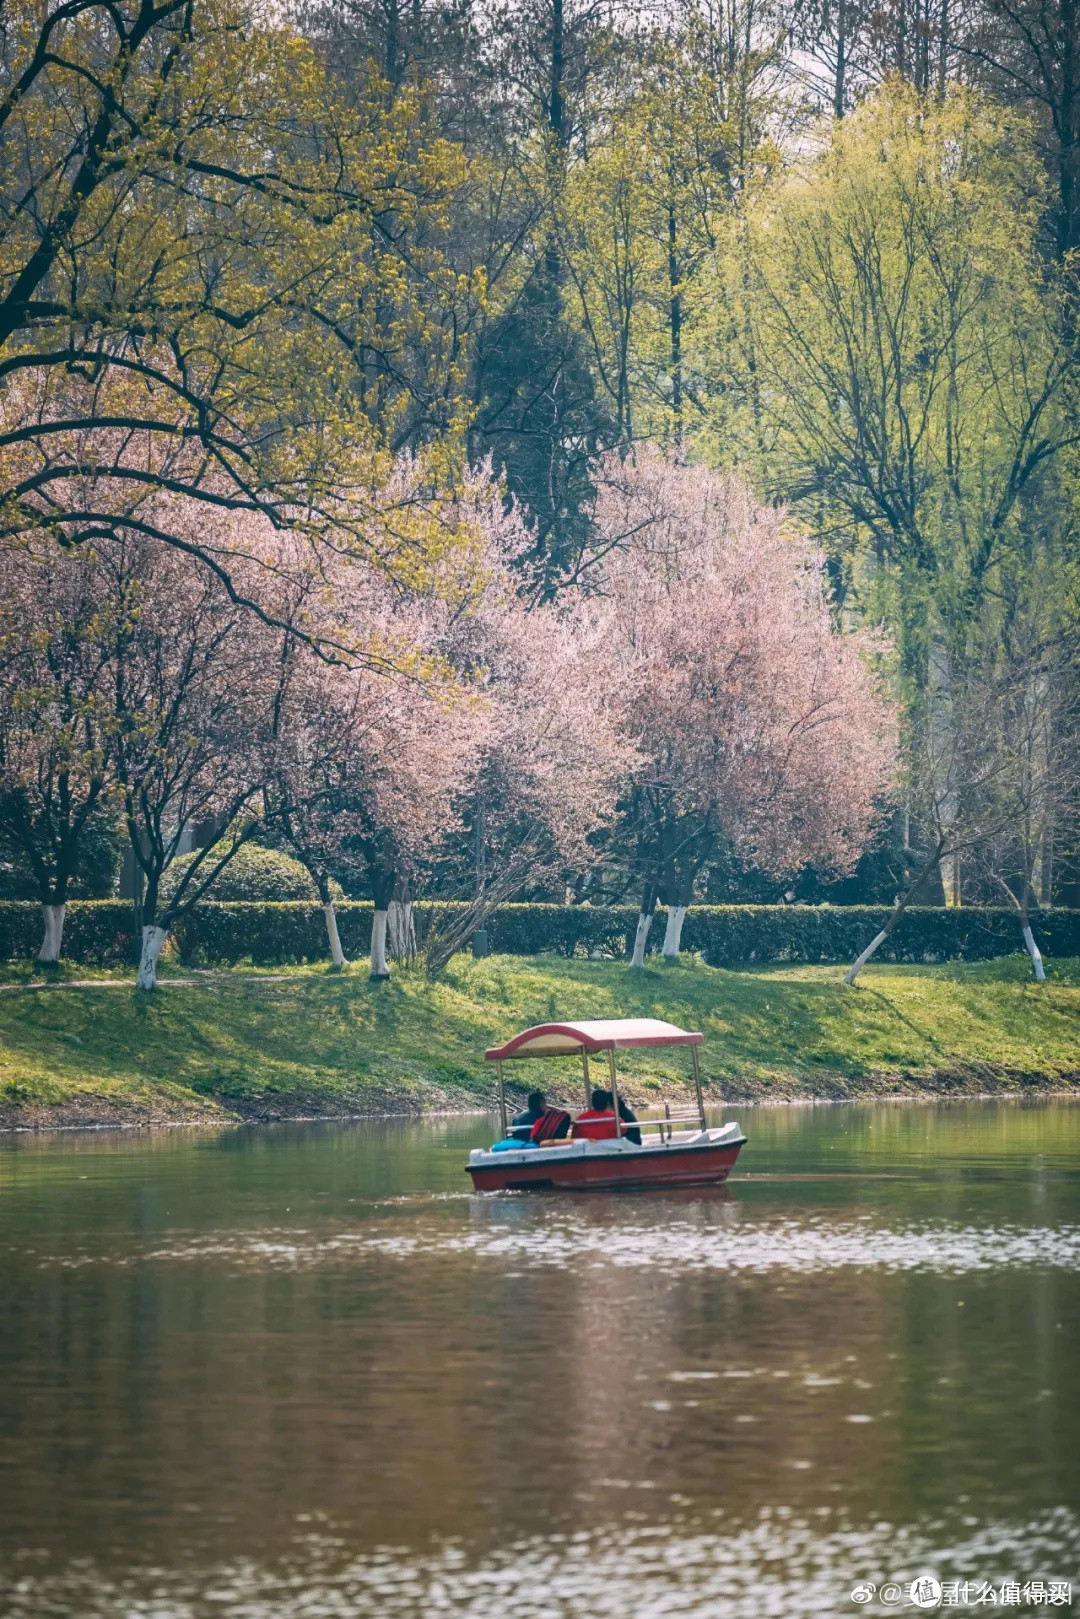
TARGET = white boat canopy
(598,1034)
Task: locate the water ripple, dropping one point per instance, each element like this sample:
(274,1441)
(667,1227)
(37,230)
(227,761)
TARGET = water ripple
(780,1565)
(804,1247)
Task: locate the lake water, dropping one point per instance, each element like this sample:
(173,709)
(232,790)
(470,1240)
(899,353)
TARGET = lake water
(301,1373)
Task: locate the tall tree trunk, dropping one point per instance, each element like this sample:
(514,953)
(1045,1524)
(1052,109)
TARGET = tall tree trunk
(1033,951)
(400,927)
(393,71)
(379,968)
(382,889)
(675,319)
(1044,886)
(1068,120)
(1022,907)
(53,917)
(676,916)
(337,955)
(321,879)
(943,50)
(153,938)
(557,103)
(841,59)
(644,923)
(898,910)
(950,879)
(556,112)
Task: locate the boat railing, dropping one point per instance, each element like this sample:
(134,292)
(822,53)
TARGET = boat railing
(671,1116)
(665,1124)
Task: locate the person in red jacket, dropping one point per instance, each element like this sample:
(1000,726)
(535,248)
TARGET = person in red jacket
(597,1123)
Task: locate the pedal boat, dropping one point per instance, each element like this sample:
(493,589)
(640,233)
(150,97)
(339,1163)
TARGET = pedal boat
(680,1149)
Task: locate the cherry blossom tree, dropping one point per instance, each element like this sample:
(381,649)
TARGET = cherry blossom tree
(132,680)
(58,758)
(367,768)
(550,765)
(192,700)
(110,476)
(467,703)
(311,783)
(552,757)
(758,723)
(461,702)
(373,754)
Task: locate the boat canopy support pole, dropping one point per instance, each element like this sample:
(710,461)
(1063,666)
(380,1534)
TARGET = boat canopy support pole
(585,1071)
(614,1093)
(697,1085)
(502,1098)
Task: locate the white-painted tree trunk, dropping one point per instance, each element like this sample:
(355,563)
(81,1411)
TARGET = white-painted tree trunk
(379,969)
(898,910)
(337,954)
(644,923)
(152,940)
(676,916)
(860,961)
(1035,954)
(401,930)
(53,917)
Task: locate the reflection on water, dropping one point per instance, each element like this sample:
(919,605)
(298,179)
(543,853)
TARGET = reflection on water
(296,1372)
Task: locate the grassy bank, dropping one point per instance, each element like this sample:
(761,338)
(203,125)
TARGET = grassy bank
(85,1048)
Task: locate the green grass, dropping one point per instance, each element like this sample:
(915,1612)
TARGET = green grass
(241,1039)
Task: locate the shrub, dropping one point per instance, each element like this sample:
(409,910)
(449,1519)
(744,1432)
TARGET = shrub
(254,875)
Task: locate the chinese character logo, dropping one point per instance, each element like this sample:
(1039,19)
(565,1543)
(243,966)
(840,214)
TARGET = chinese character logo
(926,1591)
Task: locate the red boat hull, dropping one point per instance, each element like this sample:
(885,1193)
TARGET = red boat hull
(704,1165)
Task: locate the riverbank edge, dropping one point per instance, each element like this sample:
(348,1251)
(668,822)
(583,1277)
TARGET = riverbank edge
(95,1113)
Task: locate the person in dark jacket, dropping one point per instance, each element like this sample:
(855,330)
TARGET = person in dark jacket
(629,1117)
(521,1127)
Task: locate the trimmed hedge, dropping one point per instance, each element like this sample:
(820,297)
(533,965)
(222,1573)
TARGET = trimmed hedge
(217,934)
(97,932)
(728,935)
(731,935)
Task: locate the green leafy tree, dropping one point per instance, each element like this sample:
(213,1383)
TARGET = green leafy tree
(912,347)
(912,377)
(204,247)
(684,134)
